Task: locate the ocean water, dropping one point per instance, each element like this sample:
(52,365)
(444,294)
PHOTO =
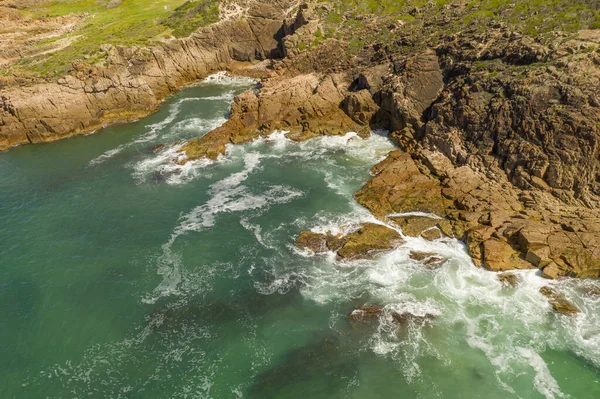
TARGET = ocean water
(123,275)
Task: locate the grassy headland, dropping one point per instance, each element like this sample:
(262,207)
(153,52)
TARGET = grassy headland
(127,22)
(358,23)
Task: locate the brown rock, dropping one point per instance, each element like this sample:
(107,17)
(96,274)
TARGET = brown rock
(366,313)
(399,186)
(498,255)
(558,301)
(432,234)
(134,81)
(413,226)
(360,106)
(406,318)
(416,84)
(538,255)
(551,271)
(367,240)
(429,260)
(315,242)
(305,105)
(508,279)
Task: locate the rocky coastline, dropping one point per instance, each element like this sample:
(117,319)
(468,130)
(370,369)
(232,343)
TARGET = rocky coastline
(497,132)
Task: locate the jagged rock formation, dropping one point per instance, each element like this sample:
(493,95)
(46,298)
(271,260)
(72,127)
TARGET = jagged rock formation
(508,157)
(498,132)
(361,243)
(136,79)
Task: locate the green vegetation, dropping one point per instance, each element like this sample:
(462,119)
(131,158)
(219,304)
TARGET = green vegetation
(353,20)
(191,15)
(356,22)
(130,22)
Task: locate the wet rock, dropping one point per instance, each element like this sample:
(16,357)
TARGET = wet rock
(305,105)
(362,243)
(414,226)
(316,242)
(406,318)
(558,301)
(159,176)
(156,148)
(551,271)
(432,234)
(369,239)
(399,186)
(508,279)
(592,291)
(365,313)
(430,260)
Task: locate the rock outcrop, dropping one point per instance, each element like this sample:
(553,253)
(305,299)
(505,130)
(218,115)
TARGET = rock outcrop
(135,80)
(559,302)
(305,105)
(498,132)
(362,243)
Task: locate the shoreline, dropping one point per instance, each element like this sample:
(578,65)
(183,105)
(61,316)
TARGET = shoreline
(505,151)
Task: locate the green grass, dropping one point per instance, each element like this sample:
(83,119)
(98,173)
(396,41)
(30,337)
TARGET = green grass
(346,19)
(143,22)
(134,22)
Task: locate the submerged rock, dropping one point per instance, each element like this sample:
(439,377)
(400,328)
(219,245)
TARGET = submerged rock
(558,301)
(405,318)
(156,148)
(508,279)
(370,313)
(365,313)
(324,362)
(592,291)
(429,259)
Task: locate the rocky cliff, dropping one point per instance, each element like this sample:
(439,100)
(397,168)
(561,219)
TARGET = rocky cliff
(135,80)
(498,136)
(498,131)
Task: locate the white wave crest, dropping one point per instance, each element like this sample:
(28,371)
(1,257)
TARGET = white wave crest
(227,195)
(226,79)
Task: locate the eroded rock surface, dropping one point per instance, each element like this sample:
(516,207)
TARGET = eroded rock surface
(558,301)
(362,243)
(136,79)
(498,132)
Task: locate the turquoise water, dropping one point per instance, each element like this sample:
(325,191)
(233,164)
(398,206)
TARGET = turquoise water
(125,276)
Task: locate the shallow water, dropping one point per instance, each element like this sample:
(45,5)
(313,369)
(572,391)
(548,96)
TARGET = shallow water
(124,276)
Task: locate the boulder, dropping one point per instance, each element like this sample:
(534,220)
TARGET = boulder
(369,239)
(558,301)
(508,279)
(366,313)
(428,259)
(406,318)
(315,242)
